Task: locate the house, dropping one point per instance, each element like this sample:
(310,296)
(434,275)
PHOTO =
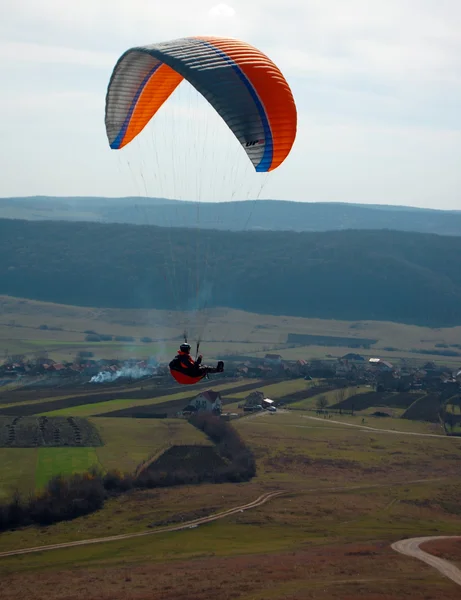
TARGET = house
(59,370)
(254,399)
(344,367)
(387,381)
(383,365)
(268,403)
(208,401)
(353,356)
(299,368)
(273,362)
(273,358)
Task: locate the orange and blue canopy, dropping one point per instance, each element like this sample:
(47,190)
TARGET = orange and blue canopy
(241,83)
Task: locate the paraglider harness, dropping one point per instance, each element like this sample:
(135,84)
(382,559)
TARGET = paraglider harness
(186,366)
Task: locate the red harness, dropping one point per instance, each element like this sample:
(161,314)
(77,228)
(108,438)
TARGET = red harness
(184,378)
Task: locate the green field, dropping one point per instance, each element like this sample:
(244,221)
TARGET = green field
(18,468)
(127,443)
(331,397)
(85,410)
(277,390)
(65,461)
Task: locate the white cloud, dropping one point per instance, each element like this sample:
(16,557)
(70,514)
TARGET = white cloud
(221,10)
(142,21)
(41,102)
(377,83)
(29,53)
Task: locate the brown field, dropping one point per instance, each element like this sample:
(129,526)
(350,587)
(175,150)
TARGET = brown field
(425,408)
(354,570)
(227,332)
(447,549)
(32,432)
(359,402)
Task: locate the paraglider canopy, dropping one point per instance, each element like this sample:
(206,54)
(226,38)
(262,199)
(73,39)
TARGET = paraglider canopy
(242,84)
(250,97)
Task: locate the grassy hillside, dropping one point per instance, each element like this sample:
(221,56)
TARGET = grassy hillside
(275,215)
(349,494)
(30,327)
(349,275)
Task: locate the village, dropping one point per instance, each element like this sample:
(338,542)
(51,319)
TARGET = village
(351,369)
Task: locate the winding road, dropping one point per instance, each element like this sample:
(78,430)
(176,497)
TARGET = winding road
(410,547)
(262,499)
(125,536)
(407,547)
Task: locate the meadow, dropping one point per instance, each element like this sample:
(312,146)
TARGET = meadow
(351,484)
(127,444)
(31,327)
(350,492)
(120,443)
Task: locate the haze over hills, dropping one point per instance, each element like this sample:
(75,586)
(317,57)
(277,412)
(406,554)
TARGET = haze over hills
(349,275)
(273,215)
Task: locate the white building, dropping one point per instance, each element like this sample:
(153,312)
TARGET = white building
(383,365)
(208,401)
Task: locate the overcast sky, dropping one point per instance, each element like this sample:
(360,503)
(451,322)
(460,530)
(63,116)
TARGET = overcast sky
(377,85)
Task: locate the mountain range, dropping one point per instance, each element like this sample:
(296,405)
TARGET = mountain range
(270,215)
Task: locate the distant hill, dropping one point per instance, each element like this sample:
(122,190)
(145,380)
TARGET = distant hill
(272,215)
(350,275)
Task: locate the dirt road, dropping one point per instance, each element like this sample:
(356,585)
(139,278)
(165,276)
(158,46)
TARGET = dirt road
(231,511)
(190,524)
(376,430)
(410,547)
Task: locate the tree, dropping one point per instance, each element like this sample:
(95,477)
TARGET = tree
(449,420)
(18,358)
(322,402)
(92,337)
(341,394)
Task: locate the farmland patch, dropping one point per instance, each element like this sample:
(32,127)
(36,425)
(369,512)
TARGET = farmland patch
(32,432)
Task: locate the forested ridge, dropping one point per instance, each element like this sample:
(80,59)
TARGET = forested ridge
(351,275)
(274,215)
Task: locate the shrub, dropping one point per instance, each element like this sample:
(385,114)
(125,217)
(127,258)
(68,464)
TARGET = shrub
(66,498)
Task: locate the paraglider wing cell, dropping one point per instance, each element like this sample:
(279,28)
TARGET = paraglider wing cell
(242,84)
